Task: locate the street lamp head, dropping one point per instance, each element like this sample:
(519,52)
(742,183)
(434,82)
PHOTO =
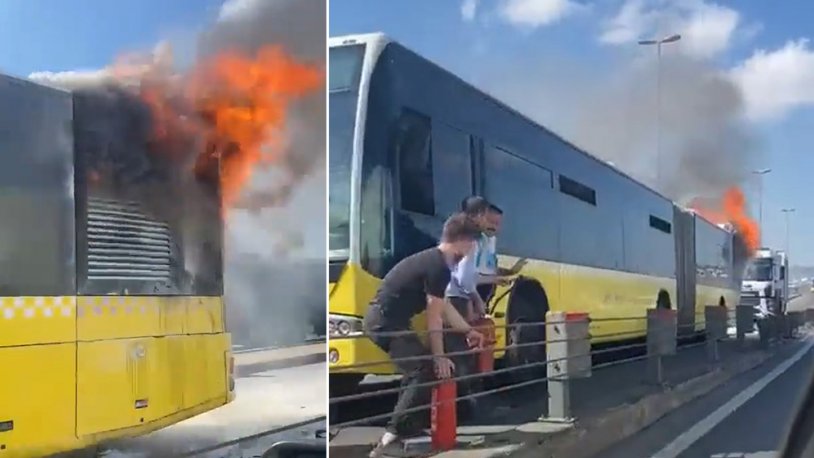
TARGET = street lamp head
(788,210)
(671,38)
(648,42)
(761,171)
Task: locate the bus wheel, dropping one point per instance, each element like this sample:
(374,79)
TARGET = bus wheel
(526,341)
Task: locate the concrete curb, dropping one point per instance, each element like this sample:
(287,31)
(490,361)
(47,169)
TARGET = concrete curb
(295,361)
(590,437)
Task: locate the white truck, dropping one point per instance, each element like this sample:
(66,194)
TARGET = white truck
(765,283)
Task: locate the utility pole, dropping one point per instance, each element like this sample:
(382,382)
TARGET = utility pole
(658,43)
(788,212)
(760,173)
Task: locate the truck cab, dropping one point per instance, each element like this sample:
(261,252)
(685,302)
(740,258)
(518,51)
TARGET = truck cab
(765,282)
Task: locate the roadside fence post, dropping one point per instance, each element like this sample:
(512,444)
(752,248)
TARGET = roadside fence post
(744,322)
(715,321)
(765,326)
(797,320)
(662,327)
(568,350)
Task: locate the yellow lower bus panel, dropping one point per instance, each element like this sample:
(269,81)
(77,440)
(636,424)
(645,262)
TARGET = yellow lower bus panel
(601,293)
(98,369)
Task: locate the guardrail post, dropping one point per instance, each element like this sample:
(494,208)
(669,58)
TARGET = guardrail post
(662,327)
(568,350)
(796,321)
(715,321)
(787,326)
(744,322)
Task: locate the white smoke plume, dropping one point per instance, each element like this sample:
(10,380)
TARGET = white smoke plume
(705,147)
(275,272)
(275,237)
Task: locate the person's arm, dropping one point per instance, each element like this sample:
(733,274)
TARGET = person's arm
(435,323)
(438,309)
(478,304)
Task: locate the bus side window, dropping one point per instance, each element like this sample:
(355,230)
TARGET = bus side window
(452,164)
(524,191)
(414,153)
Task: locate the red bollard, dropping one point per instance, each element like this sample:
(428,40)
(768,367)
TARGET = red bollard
(443,416)
(486,358)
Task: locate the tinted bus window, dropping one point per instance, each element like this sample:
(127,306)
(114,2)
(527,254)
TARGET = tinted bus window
(452,167)
(414,152)
(577,190)
(524,191)
(345,67)
(36,202)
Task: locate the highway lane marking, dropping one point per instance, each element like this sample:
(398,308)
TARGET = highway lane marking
(700,429)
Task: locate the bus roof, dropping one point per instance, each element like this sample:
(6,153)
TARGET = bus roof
(376,37)
(381,39)
(34,84)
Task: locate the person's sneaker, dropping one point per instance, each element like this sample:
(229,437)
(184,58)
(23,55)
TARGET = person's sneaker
(388,442)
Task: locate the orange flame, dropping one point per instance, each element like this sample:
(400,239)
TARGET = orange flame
(234,105)
(732,210)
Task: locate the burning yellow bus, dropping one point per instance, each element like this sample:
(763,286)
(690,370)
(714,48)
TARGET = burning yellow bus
(409,140)
(112,294)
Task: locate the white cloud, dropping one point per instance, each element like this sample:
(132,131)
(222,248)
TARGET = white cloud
(706,28)
(628,25)
(235,10)
(468,9)
(537,13)
(776,82)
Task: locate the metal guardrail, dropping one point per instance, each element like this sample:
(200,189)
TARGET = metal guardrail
(568,356)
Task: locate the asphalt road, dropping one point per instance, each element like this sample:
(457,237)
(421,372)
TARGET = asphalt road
(745,418)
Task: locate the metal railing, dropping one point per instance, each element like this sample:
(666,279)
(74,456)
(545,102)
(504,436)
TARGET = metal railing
(568,355)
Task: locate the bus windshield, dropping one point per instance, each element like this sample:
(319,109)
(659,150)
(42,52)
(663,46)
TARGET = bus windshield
(345,69)
(759,270)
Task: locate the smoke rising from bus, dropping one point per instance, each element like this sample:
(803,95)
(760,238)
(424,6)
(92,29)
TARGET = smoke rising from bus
(251,101)
(706,150)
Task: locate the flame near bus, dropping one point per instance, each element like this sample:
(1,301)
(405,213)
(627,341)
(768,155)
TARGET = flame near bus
(731,209)
(231,107)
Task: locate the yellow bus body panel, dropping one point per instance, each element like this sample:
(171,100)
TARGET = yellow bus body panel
(80,370)
(600,292)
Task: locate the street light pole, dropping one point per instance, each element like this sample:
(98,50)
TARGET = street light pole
(760,173)
(658,44)
(787,211)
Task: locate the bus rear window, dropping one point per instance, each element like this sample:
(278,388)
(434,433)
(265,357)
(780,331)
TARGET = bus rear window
(345,67)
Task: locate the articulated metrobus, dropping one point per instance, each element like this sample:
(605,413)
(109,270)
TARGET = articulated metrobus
(409,140)
(110,279)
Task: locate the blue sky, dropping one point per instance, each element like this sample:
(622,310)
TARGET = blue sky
(534,49)
(45,35)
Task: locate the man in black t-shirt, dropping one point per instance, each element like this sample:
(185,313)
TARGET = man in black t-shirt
(414,285)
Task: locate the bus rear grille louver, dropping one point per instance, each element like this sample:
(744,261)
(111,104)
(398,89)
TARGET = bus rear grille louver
(126,244)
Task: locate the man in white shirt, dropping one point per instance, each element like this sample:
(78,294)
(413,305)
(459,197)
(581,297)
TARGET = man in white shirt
(489,274)
(462,294)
